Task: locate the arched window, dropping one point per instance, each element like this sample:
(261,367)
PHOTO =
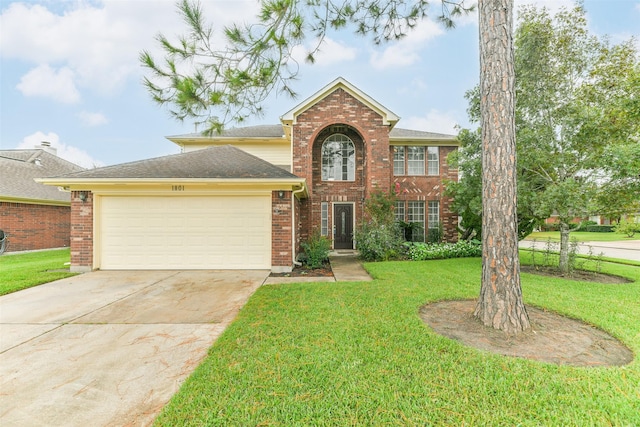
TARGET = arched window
(338,158)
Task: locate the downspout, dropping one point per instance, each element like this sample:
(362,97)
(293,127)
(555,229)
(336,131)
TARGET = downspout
(293,224)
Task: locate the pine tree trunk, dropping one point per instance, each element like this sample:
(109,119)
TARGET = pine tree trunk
(500,304)
(564,248)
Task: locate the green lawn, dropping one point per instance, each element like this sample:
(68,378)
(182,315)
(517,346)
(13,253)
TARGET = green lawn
(24,270)
(346,354)
(580,236)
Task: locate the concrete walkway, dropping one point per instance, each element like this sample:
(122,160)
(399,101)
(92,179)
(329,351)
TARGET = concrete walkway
(110,348)
(346,267)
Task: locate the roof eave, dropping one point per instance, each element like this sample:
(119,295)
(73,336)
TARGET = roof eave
(30,201)
(424,141)
(88,183)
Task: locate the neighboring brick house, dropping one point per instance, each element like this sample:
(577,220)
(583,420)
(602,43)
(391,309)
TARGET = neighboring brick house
(248,197)
(34,216)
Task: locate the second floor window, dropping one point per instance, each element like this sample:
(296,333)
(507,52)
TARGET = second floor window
(338,159)
(416,160)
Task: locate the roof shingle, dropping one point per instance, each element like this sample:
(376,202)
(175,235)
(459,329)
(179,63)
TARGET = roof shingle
(224,162)
(19,168)
(276,131)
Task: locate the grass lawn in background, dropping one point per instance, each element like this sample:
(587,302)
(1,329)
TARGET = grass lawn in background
(358,354)
(24,270)
(580,236)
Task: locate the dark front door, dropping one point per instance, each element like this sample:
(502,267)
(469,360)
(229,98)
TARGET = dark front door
(343,223)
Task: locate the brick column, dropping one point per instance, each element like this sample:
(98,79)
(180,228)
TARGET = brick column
(281,232)
(81,231)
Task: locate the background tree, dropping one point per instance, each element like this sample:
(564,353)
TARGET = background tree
(574,93)
(214,86)
(578,118)
(467,191)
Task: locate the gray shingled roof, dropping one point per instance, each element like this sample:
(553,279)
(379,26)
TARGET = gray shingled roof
(224,162)
(260,131)
(408,133)
(276,131)
(19,168)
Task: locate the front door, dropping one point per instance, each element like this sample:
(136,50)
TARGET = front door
(343,226)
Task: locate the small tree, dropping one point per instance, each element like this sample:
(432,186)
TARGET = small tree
(379,236)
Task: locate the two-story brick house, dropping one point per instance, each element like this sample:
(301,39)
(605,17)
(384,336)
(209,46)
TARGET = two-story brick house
(248,197)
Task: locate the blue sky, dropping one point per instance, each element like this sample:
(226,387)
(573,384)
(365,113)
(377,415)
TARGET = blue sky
(70,74)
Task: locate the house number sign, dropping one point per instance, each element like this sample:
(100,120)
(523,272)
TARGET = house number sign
(177,188)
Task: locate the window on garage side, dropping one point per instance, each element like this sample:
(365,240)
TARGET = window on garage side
(338,158)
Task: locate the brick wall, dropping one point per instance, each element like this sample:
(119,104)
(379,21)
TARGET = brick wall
(81,231)
(281,243)
(32,227)
(431,188)
(371,139)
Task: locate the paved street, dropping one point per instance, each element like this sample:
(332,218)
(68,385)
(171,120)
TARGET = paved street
(626,249)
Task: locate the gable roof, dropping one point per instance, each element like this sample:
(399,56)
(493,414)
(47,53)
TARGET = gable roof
(212,163)
(20,168)
(388,117)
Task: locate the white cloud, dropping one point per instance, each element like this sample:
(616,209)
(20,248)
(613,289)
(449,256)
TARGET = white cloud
(99,41)
(46,82)
(67,152)
(92,119)
(331,52)
(433,121)
(407,51)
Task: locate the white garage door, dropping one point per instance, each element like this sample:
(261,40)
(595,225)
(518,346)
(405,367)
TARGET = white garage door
(169,233)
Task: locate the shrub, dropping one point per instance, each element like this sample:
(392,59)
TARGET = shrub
(316,251)
(379,243)
(435,234)
(550,227)
(600,228)
(628,228)
(409,230)
(379,237)
(584,224)
(461,249)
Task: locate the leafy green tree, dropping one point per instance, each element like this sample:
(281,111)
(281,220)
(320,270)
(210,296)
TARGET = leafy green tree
(467,192)
(217,86)
(578,118)
(574,97)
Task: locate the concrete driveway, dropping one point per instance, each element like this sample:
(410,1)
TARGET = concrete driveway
(110,348)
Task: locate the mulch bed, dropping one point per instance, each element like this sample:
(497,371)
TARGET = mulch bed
(553,338)
(580,275)
(324,271)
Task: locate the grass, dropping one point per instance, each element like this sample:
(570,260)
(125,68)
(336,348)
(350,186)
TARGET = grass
(24,270)
(580,236)
(345,354)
